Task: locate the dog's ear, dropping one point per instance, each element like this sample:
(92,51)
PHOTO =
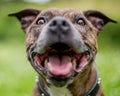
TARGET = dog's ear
(97,18)
(26,17)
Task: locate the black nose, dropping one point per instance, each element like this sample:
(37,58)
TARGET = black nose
(59,24)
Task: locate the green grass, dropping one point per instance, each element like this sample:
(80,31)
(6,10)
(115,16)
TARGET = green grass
(16,74)
(17,77)
(108,65)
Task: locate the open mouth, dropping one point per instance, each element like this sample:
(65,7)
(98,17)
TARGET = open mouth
(61,60)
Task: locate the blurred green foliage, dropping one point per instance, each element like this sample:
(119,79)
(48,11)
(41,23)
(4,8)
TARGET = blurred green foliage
(16,74)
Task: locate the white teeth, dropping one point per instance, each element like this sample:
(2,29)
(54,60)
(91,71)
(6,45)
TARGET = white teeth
(46,61)
(73,61)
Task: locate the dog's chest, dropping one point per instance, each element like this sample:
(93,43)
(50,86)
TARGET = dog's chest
(55,91)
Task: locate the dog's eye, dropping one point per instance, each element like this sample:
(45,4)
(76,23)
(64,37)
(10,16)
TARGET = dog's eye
(81,21)
(40,21)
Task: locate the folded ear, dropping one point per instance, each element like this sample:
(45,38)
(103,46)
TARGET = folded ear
(97,18)
(26,17)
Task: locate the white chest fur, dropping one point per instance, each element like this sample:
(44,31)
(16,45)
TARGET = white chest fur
(59,91)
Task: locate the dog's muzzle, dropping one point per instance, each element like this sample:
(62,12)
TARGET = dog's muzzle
(60,53)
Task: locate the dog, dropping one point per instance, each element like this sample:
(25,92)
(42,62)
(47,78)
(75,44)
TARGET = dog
(61,45)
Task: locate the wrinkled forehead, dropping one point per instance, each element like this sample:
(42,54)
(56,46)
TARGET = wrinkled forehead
(61,12)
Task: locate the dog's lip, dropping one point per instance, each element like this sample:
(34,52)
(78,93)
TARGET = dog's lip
(78,61)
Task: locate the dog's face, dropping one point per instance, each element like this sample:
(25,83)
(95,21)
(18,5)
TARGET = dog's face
(61,44)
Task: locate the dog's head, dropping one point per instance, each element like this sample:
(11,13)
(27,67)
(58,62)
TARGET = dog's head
(61,44)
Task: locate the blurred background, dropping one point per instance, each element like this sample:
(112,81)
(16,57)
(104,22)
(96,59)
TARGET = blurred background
(17,77)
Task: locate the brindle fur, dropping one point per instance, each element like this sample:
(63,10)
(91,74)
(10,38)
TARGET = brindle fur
(89,34)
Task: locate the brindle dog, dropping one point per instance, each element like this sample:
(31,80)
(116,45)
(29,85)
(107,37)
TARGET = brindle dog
(61,46)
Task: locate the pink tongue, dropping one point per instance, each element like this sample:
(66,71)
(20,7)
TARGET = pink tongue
(60,66)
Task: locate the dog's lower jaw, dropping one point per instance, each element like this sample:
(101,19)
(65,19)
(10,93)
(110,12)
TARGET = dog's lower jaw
(79,87)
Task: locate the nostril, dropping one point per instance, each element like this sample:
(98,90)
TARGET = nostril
(65,26)
(54,23)
(53,27)
(64,23)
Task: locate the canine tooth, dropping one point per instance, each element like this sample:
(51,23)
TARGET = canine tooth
(46,61)
(73,61)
